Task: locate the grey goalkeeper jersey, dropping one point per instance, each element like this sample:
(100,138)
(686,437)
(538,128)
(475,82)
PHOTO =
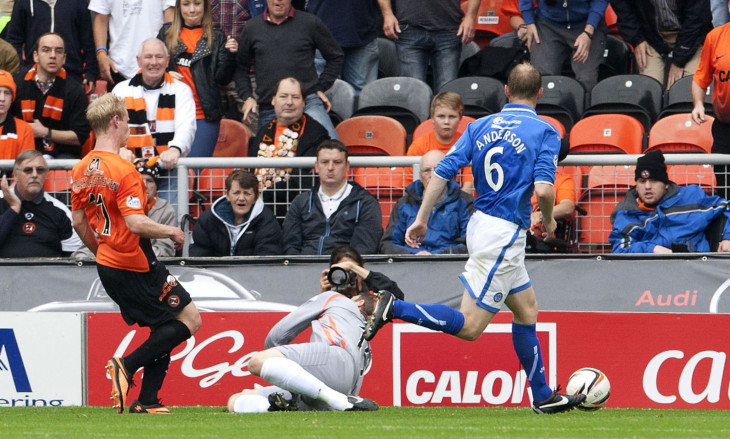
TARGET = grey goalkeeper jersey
(335,320)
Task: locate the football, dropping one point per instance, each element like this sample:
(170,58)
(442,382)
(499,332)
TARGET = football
(593,384)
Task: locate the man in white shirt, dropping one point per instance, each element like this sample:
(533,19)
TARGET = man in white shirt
(128,23)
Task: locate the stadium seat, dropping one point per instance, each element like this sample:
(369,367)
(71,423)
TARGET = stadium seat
(388,64)
(606,186)
(638,96)
(466,51)
(342,97)
(212,184)
(408,100)
(556,123)
(617,58)
(57,180)
(701,175)
(612,133)
(427,125)
(481,95)
(678,99)
(232,140)
(88,145)
(490,21)
(99,90)
(387,184)
(562,98)
(678,133)
(373,135)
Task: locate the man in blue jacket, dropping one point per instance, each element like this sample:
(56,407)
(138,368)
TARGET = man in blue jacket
(657,216)
(446,224)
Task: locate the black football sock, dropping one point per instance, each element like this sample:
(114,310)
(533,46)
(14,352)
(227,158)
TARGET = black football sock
(154,375)
(160,342)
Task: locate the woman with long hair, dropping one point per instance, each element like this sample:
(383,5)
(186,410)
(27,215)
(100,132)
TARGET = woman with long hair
(204,59)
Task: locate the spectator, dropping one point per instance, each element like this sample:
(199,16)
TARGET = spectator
(334,212)
(281,45)
(70,19)
(291,134)
(562,212)
(161,114)
(447,109)
(204,59)
(54,107)
(664,34)
(446,224)
(124,25)
(714,65)
(657,216)
(431,32)
(238,224)
(32,223)
(9,60)
(16,135)
(561,31)
(354,25)
(158,210)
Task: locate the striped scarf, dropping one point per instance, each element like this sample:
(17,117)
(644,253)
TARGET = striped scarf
(8,129)
(142,140)
(53,103)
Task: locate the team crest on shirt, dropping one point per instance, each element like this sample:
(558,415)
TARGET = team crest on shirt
(173,301)
(498,297)
(29,228)
(93,167)
(133,202)
(29,216)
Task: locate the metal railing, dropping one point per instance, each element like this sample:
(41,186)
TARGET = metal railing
(601,181)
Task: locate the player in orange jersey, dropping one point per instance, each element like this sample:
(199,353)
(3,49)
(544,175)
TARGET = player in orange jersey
(109,192)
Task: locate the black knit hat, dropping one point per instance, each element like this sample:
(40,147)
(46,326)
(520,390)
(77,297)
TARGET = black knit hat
(651,166)
(144,167)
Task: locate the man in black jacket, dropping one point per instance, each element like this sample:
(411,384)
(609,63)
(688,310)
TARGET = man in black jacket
(664,34)
(334,212)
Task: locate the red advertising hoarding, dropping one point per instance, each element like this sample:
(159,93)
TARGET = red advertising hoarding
(652,360)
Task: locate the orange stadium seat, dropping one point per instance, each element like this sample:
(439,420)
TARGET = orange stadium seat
(57,180)
(373,135)
(678,133)
(386,184)
(556,123)
(605,187)
(612,133)
(212,184)
(232,140)
(701,175)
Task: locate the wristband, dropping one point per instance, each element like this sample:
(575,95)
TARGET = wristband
(590,35)
(522,26)
(101,49)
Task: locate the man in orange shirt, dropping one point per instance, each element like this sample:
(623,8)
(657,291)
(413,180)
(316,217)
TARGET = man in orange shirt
(109,192)
(15,134)
(564,207)
(447,109)
(715,65)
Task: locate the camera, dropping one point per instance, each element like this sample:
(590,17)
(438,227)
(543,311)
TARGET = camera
(341,279)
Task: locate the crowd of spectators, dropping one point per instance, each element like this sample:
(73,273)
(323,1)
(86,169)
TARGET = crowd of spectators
(183,65)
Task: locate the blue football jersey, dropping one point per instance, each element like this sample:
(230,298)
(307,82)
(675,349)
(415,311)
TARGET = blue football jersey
(510,151)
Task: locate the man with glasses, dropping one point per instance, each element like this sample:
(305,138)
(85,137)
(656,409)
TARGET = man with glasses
(53,106)
(33,223)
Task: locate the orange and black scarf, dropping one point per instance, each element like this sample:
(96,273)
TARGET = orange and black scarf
(142,140)
(52,104)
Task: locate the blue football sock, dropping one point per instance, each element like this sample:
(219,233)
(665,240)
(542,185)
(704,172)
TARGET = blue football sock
(438,317)
(527,348)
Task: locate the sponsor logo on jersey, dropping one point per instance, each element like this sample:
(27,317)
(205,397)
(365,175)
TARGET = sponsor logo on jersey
(134,202)
(29,228)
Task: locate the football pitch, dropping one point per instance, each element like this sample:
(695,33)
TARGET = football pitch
(388,422)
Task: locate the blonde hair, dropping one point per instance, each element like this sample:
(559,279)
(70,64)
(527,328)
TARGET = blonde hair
(102,111)
(448,99)
(172,36)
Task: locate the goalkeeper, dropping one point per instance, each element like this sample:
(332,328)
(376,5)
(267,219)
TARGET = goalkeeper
(326,373)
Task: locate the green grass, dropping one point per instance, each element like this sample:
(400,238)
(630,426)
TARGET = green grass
(388,422)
